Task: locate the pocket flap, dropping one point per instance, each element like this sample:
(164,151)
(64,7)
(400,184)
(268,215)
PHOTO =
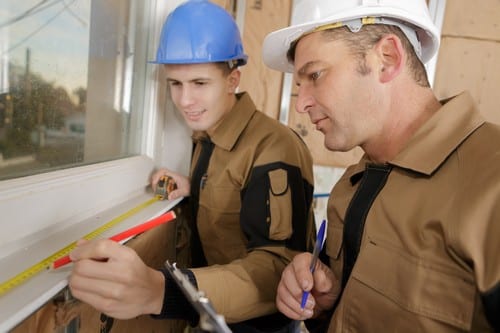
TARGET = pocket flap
(279,181)
(334,243)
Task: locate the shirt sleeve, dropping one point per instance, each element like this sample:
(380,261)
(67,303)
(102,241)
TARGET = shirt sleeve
(476,232)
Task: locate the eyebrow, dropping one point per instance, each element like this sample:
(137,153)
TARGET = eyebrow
(303,70)
(191,80)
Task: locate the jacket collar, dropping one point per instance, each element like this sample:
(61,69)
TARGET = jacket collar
(436,139)
(440,135)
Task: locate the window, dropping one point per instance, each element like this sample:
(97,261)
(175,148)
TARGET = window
(84,119)
(72,82)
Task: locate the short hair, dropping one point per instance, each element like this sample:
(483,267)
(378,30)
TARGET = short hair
(360,42)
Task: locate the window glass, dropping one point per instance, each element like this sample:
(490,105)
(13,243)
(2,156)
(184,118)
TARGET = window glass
(71,82)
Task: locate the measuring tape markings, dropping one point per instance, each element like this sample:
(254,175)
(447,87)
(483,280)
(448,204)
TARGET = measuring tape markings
(47,262)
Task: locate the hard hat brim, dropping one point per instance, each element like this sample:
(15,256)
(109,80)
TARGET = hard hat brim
(242,60)
(277,43)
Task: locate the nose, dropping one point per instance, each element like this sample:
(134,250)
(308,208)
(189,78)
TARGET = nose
(304,100)
(186,97)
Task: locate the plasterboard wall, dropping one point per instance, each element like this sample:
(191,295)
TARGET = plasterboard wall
(470,52)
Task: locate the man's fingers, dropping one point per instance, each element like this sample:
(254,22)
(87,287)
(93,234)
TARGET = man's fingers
(295,278)
(105,300)
(82,286)
(301,266)
(289,304)
(323,279)
(98,249)
(174,194)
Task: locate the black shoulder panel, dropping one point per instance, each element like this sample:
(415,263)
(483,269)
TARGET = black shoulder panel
(255,215)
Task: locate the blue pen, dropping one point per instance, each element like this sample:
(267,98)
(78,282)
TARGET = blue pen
(317,249)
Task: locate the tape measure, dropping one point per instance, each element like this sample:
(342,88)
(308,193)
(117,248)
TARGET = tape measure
(47,262)
(165,185)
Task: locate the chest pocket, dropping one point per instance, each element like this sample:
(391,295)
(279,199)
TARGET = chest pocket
(220,199)
(424,291)
(334,241)
(280,205)
(218,224)
(333,247)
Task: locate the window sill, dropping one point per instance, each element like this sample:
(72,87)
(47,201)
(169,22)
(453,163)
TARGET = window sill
(43,214)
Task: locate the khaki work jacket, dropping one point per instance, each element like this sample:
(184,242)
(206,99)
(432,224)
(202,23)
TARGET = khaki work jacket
(429,255)
(254,211)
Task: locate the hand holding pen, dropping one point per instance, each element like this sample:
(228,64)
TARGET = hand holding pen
(317,249)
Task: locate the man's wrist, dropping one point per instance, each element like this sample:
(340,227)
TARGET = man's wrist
(155,305)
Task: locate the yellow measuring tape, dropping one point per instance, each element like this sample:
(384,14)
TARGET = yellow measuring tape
(47,262)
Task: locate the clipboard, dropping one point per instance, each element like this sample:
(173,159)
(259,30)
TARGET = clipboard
(210,320)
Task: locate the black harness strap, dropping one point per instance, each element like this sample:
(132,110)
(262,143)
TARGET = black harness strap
(198,179)
(374,178)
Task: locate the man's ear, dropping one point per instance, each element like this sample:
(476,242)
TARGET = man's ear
(233,80)
(391,56)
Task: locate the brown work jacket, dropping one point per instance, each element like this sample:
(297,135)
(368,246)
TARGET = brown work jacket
(255,210)
(430,251)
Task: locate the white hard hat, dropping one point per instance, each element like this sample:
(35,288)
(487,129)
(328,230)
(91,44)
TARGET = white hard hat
(412,16)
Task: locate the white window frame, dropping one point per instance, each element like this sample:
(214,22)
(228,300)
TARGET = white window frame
(40,213)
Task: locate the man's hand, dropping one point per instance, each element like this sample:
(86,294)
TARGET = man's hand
(296,278)
(114,280)
(182,182)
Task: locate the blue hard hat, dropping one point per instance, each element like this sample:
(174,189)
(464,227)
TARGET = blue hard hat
(199,31)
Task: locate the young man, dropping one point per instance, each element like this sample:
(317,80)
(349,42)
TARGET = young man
(412,238)
(251,201)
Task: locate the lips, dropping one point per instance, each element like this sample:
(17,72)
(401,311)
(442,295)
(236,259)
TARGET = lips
(194,115)
(317,122)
